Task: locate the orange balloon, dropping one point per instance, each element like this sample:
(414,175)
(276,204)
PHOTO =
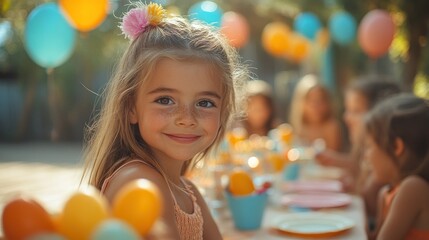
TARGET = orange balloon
(82,213)
(235,27)
(138,203)
(56,220)
(24,218)
(85,15)
(240,183)
(275,38)
(299,48)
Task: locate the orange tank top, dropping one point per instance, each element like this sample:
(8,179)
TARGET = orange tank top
(413,234)
(190,226)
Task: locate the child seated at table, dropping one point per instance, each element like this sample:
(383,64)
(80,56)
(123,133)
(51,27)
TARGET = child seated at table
(260,112)
(360,97)
(397,148)
(312,114)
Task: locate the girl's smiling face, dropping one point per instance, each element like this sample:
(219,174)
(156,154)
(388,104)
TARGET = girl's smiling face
(178,111)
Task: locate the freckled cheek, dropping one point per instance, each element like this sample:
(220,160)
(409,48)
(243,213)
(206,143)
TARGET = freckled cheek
(211,119)
(155,118)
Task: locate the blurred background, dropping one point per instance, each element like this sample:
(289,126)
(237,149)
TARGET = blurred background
(50,80)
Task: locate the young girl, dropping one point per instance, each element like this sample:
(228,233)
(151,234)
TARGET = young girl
(168,104)
(312,115)
(398,151)
(260,110)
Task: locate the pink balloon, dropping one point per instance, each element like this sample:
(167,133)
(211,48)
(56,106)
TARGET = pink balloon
(376,32)
(235,28)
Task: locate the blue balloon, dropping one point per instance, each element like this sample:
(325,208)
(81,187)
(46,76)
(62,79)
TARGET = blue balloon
(342,27)
(307,24)
(207,11)
(49,38)
(114,229)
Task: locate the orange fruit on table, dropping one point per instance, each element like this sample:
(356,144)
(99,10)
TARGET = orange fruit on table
(241,183)
(138,203)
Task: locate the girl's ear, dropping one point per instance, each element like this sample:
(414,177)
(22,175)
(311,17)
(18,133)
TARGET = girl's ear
(399,146)
(132,115)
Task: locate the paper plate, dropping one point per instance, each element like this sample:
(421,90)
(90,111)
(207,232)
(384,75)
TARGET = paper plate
(316,200)
(305,186)
(312,224)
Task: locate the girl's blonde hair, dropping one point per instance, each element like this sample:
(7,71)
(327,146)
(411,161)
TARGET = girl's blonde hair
(112,139)
(404,116)
(303,87)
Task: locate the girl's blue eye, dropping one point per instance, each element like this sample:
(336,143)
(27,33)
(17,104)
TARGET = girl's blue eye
(206,104)
(164,101)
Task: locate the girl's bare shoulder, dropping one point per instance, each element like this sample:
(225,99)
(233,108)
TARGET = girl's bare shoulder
(132,170)
(414,187)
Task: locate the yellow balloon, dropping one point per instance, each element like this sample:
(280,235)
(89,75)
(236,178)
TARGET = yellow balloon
(138,203)
(275,38)
(82,213)
(85,15)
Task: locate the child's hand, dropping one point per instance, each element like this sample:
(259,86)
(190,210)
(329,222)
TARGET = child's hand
(325,158)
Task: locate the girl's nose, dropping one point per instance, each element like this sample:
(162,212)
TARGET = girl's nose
(186,116)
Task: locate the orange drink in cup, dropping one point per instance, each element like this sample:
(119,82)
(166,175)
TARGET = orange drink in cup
(286,133)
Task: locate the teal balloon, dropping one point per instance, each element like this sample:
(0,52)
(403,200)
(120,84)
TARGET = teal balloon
(307,24)
(114,230)
(206,11)
(342,27)
(49,38)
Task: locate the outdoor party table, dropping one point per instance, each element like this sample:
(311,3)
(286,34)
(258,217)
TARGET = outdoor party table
(349,215)
(354,211)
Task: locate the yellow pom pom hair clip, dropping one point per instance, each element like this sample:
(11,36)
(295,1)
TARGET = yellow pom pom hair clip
(137,19)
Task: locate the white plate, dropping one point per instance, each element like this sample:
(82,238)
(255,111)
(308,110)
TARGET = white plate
(308,185)
(316,200)
(312,224)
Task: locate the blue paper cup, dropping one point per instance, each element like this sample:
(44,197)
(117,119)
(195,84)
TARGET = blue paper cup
(291,172)
(247,211)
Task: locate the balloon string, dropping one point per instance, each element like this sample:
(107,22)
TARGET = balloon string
(50,73)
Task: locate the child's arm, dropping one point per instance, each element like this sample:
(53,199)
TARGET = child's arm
(333,137)
(135,171)
(404,210)
(370,192)
(211,230)
(379,216)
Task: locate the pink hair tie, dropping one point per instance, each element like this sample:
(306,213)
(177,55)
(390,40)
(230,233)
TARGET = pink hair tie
(137,19)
